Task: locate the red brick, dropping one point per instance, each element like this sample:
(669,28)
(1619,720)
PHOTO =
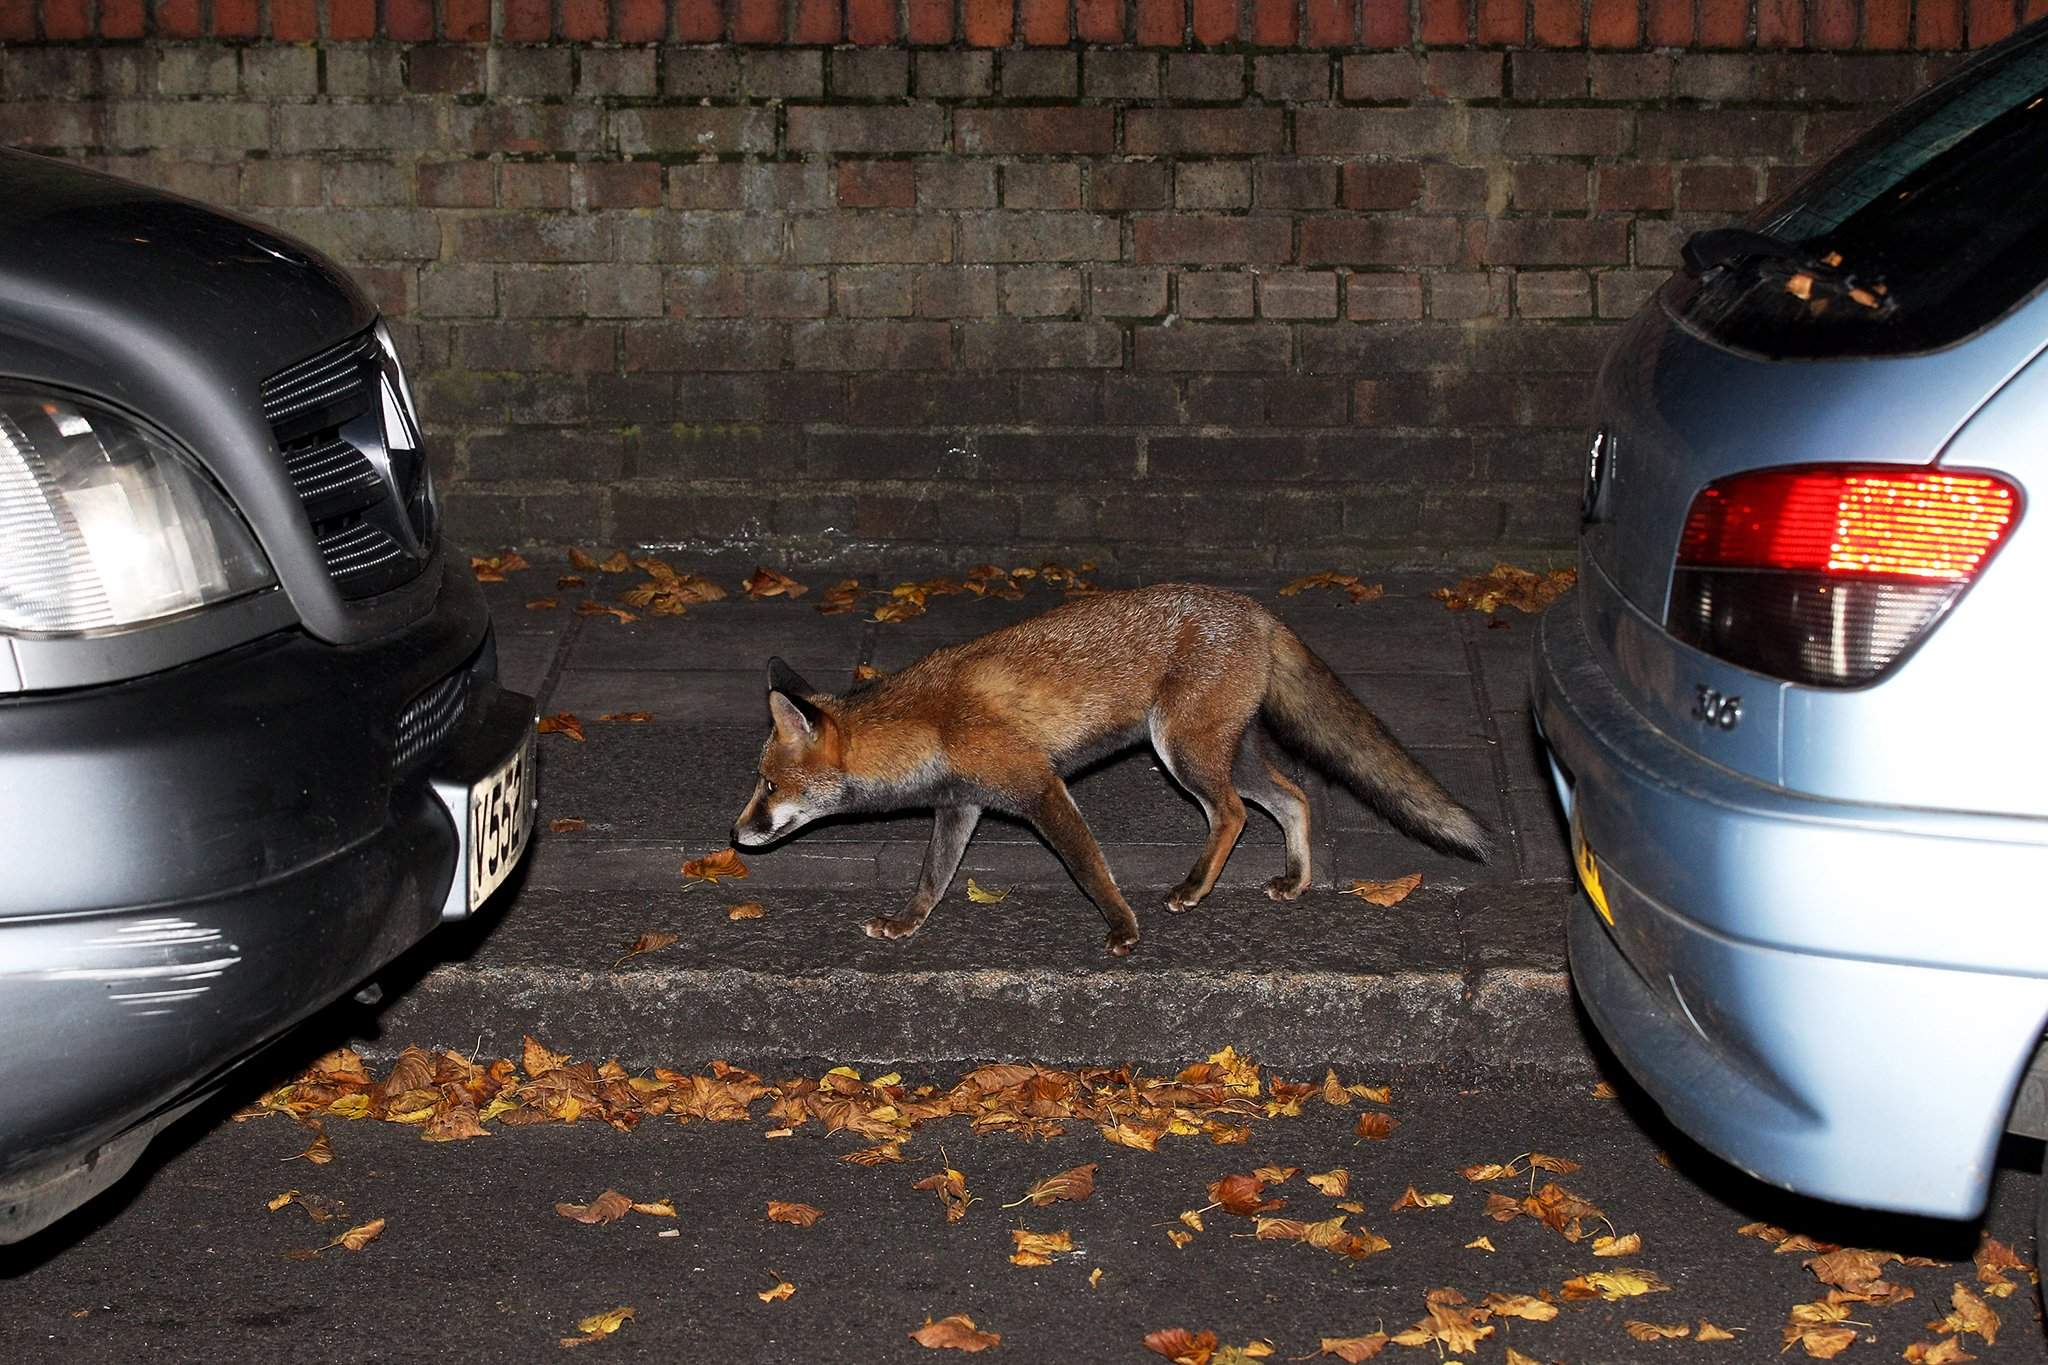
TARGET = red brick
(118,19)
(1780,23)
(1990,20)
(1559,23)
(294,21)
(1381,185)
(622,184)
(1835,23)
(407,21)
(237,18)
(1670,21)
(700,21)
(988,23)
(1160,22)
(1044,22)
(931,21)
(1634,187)
(527,21)
(1501,21)
(1724,23)
(351,20)
(1615,23)
(178,19)
(1446,22)
(642,21)
(1938,25)
(757,21)
(585,21)
(17,23)
(871,22)
(65,18)
(2034,10)
(1386,23)
(1274,23)
(1099,21)
(1215,21)
(462,21)
(876,184)
(1887,24)
(817,21)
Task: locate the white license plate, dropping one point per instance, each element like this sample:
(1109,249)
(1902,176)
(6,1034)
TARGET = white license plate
(500,822)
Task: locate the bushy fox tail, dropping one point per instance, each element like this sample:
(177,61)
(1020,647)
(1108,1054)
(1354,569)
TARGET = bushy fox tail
(1312,710)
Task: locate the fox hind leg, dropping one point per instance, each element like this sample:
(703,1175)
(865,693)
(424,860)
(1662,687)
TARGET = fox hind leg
(1262,783)
(1058,819)
(1201,761)
(952,826)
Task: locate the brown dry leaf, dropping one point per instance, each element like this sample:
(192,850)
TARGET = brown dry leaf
(951,1188)
(956,1332)
(1526,1306)
(840,598)
(1243,1195)
(1822,1343)
(1993,1259)
(1799,1242)
(1353,1350)
(1763,1232)
(1627,1245)
(747,910)
(1656,1331)
(1970,1314)
(1075,1184)
(1347,583)
(1480,1244)
(1335,1182)
(1095,1278)
(770,583)
(1488,1170)
(1375,1125)
(1193,1218)
(608,1207)
(627,717)
(875,1155)
(1038,1248)
(1332,1092)
(1411,1198)
(1557,1165)
(281,1200)
(652,941)
(709,868)
(1605,1091)
(982,895)
(1507,586)
(1947,1351)
(568,824)
(587,607)
(1277,1175)
(1560,1209)
(1709,1332)
(542,603)
(798,1215)
(360,1236)
(538,1060)
(616,562)
(318,1152)
(598,1326)
(1515,1357)
(1181,1346)
(897,611)
(570,580)
(561,723)
(579,559)
(1385,893)
(776,1295)
(1450,1321)
(1613,1284)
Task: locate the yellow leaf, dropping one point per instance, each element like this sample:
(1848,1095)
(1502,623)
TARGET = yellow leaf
(776,1295)
(1489,1171)
(281,1200)
(1613,1284)
(1526,1306)
(724,863)
(800,1215)
(1656,1331)
(360,1236)
(1353,1350)
(1385,893)
(1179,1238)
(659,1208)
(981,895)
(537,1060)
(1709,1332)
(1605,1091)
(1556,1164)
(956,1332)
(1193,1218)
(319,1152)
(1277,1175)
(1618,1246)
(1947,1351)
(875,1155)
(1970,1314)
(598,1326)
(1480,1243)
(1038,1248)
(1095,1278)
(1412,1199)
(1335,1182)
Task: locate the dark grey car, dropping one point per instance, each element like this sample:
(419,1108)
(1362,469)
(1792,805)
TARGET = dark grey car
(252,745)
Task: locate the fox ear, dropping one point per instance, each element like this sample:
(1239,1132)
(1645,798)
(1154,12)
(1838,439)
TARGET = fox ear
(783,678)
(796,720)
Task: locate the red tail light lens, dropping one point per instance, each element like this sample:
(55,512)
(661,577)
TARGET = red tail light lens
(1827,575)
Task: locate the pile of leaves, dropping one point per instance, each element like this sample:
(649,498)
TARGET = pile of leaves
(1504,585)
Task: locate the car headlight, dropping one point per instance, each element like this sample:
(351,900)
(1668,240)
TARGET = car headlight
(104,524)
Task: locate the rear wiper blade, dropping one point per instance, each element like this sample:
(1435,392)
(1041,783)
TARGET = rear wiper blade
(1716,247)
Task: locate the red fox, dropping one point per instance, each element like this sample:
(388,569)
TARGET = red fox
(997,723)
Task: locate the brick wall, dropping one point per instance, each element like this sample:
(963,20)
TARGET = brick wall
(1199,283)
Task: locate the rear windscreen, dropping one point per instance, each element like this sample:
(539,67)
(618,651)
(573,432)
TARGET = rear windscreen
(1931,226)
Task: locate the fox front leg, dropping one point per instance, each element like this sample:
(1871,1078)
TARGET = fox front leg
(952,826)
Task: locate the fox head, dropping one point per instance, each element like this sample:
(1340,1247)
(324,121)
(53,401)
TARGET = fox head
(801,773)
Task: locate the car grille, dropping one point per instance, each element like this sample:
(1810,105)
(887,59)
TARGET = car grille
(362,484)
(429,719)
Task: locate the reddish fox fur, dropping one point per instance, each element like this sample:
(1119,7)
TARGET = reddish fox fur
(998,722)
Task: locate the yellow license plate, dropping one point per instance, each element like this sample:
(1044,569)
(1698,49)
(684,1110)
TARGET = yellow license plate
(1589,872)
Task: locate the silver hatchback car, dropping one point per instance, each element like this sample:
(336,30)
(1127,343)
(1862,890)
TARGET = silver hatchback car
(1790,709)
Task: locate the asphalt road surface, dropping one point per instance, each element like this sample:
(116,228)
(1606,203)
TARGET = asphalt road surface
(184,1262)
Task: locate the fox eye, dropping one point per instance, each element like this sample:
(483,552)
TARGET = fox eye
(767,786)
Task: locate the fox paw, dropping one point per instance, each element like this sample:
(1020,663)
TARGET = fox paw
(883,927)
(1186,896)
(1286,888)
(1120,945)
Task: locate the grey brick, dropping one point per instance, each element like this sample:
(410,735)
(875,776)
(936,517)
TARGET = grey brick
(692,128)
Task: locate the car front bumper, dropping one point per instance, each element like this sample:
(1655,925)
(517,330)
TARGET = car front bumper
(202,859)
(1870,1070)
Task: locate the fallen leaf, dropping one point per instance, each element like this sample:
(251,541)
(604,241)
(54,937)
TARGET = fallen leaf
(608,1207)
(1618,1246)
(1822,1343)
(1076,1184)
(1277,1175)
(281,1200)
(1178,1238)
(1347,583)
(658,1208)
(651,941)
(1450,1321)
(542,604)
(1970,1314)
(1515,1357)
(1947,1351)
(627,717)
(1243,1195)
(538,1060)
(1656,1331)
(1335,1182)
(570,580)
(865,673)
(1375,1125)
(776,1295)
(1355,1349)
(876,1155)
(568,824)
(588,607)
(1605,1091)
(1490,1171)
(951,1188)
(1993,1259)
(1525,1306)
(770,583)
(1038,1248)
(1800,1242)
(1556,1164)
(1763,1232)
(956,1332)
(746,910)
(598,1326)
(1193,1218)
(1613,1284)
(981,895)
(1413,1199)
(1709,1332)
(1507,586)
(561,723)
(1480,1244)
(1385,893)
(709,868)
(1181,1346)
(840,597)
(1095,1278)
(318,1152)
(799,1215)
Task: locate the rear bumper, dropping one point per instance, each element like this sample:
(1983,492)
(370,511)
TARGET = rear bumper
(1749,980)
(209,856)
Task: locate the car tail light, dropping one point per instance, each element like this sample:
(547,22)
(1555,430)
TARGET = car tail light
(1826,575)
